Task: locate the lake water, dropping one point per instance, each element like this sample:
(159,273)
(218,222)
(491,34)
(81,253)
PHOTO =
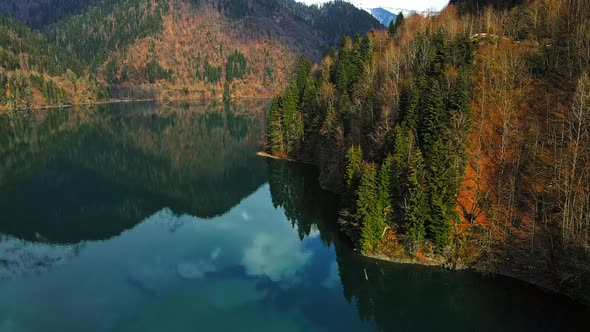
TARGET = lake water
(139,217)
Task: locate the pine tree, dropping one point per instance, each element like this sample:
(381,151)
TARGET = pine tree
(276,136)
(461,94)
(302,71)
(308,101)
(343,66)
(356,62)
(391,28)
(443,53)
(440,179)
(415,207)
(401,156)
(366,49)
(354,160)
(410,102)
(399,21)
(384,188)
(433,117)
(289,116)
(368,209)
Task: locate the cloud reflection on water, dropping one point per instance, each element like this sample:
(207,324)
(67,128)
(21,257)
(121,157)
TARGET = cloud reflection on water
(277,258)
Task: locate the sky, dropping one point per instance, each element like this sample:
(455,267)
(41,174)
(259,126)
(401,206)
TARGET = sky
(406,5)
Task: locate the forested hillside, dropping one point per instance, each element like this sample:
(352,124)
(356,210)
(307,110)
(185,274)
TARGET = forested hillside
(459,139)
(34,72)
(173,49)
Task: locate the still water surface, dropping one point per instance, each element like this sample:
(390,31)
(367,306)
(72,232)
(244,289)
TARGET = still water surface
(140,217)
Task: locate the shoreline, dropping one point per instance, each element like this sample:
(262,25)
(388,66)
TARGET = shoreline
(552,289)
(432,262)
(265,154)
(115,101)
(123,101)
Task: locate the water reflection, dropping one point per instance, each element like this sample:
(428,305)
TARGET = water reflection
(148,218)
(20,258)
(113,168)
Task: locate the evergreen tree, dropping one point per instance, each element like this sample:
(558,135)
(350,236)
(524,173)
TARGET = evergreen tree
(368,207)
(302,71)
(415,206)
(343,67)
(461,94)
(400,159)
(440,180)
(356,63)
(236,66)
(354,159)
(410,108)
(384,189)
(391,28)
(366,49)
(399,21)
(276,135)
(433,117)
(309,99)
(292,120)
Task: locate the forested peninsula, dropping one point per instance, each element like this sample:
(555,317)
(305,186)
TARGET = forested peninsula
(458,139)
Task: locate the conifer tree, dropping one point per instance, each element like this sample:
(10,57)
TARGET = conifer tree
(461,95)
(354,159)
(440,178)
(391,28)
(411,108)
(366,48)
(368,207)
(308,101)
(415,206)
(302,71)
(399,21)
(384,189)
(289,116)
(433,117)
(343,65)
(276,136)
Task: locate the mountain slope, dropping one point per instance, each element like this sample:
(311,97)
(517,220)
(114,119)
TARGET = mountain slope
(175,48)
(106,26)
(34,72)
(18,41)
(181,49)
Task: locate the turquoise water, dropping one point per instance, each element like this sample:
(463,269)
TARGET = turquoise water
(140,217)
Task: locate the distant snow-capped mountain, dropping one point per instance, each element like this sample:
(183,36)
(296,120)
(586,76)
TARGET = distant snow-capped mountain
(404,6)
(384,16)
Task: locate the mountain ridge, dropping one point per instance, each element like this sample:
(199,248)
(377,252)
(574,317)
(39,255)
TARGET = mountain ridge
(176,49)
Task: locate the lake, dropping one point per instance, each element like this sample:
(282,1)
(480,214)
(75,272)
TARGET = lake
(142,217)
